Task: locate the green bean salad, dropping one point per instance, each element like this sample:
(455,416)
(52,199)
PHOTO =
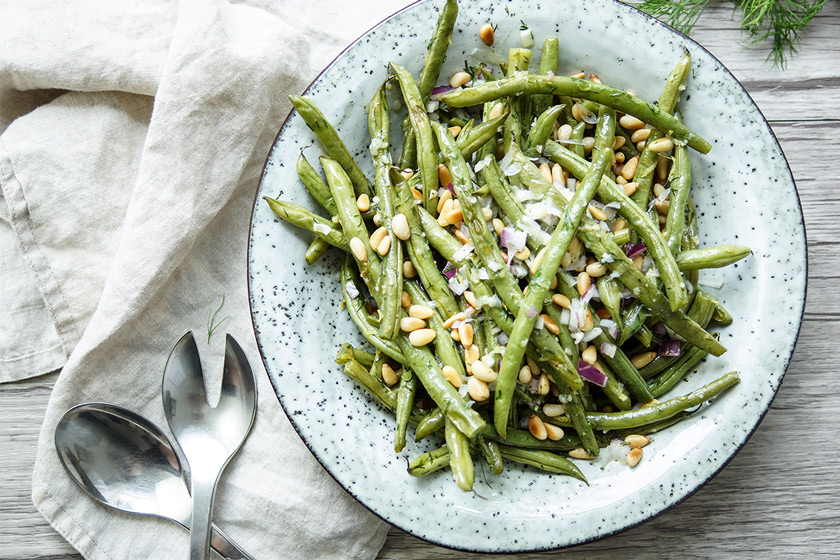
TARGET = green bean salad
(524,263)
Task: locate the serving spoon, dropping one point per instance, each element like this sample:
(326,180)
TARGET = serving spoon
(208,436)
(125,462)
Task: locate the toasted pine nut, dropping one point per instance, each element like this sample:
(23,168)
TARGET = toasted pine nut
(399,224)
(638,261)
(588,144)
(658,189)
(487,213)
(471,355)
(444,176)
(596,269)
(630,168)
(619,158)
(630,188)
(459,79)
(486,34)
(525,374)
(554,410)
(589,354)
(549,324)
(556,173)
(588,322)
(377,219)
(389,376)
(384,246)
(630,122)
(532,365)
(498,226)
(410,324)
(579,75)
(452,376)
(455,335)
(662,167)
(545,169)
(597,213)
(664,144)
(459,316)
(640,145)
(620,224)
(446,196)
(466,331)
(535,264)
(357,246)
(619,142)
(496,111)
(460,235)
(553,284)
(575,246)
(634,456)
(445,209)
(580,453)
(408,270)
(637,440)
(554,433)
(470,297)
(564,132)
(455,131)
(483,371)
(643,359)
(662,206)
(576,112)
(640,135)
(595,78)
(407,173)
(363,203)
(523,254)
(477,389)
(562,301)
(620,180)
(566,260)
(420,312)
(405,300)
(416,194)
(583,282)
(544,387)
(537,427)
(377,236)
(421,337)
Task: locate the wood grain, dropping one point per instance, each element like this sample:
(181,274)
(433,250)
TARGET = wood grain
(780,496)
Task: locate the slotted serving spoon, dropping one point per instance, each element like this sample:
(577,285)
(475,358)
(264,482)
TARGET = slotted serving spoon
(208,436)
(124,461)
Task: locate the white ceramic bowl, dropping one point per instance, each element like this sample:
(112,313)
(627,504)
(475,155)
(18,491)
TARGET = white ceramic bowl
(744,193)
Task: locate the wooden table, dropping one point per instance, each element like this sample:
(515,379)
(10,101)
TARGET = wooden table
(781,495)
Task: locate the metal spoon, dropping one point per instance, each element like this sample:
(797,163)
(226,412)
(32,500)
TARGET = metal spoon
(208,436)
(124,461)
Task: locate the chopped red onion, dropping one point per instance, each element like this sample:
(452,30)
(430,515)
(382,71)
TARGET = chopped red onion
(449,270)
(502,338)
(440,90)
(659,328)
(457,288)
(670,348)
(608,349)
(451,189)
(591,373)
(590,292)
(531,312)
(513,240)
(351,290)
(634,249)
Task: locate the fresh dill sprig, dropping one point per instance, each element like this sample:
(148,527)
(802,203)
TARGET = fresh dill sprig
(212,325)
(778,20)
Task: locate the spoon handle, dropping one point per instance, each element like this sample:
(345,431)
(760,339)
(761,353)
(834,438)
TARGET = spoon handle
(225,546)
(203,491)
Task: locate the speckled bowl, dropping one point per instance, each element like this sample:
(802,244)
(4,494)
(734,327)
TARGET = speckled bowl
(744,193)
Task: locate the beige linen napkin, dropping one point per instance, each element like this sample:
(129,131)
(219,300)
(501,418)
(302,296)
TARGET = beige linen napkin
(133,137)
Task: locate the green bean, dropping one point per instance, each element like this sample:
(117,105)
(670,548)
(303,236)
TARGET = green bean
(429,462)
(711,257)
(469,141)
(317,248)
(436,52)
(600,93)
(404,405)
(347,352)
(431,423)
(330,140)
(426,158)
(371,384)
(315,185)
(408,154)
(610,293)
(524,440)
(544,460)
(621,236)
(542,130)
(547,269)
(661,410)
(492,454)
(576,138)
(459,456)
(548,63)
(445,348)
(633,318)
(303,218)
(390,280)
(666,381)
(667,101)
(680,184)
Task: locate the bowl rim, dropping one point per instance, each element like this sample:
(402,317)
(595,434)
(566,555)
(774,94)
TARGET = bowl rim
(787,359)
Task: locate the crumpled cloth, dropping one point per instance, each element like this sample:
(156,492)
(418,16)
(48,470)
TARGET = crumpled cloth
(133,138)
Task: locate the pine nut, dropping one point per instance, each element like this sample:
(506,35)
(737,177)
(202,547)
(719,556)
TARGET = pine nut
(486,34)
(579,75)
(416,194)
(420,312)
(630,168)
(532,365)
(459,79)
(588,322)
(498,226)
(634,456)
(620,180)
(597,213)
(460,235)
(619,142)
(384,246)
(455,131)
(537,427)
(557,173)
(377,219)
(662,167)
(421,337)
(580,453)
(471,355)
(640,145)
(664,144)
(466,332)
(589,354)
(575,246)
(477,389)
(595,78)
(357,246)
(564,132)
(620,157)
(545,169)
(637,440)
(596,270)
(562,301)
(400,227)
(576,112)
(620,224)
(363,203)
(408,270)
(487,213)
(459,316)
(444,176)
(553,284)
(389,376)
(554,433)
(452,376)
(446,196)
(544,387)
(640,135)
(445,210)
(583,282)
(535,264)
(483,371)
(410,324)
(566,260)
(496,111)
(638,261)
(523,254)
(405,300)
(588,144)
(630,188)
(525,374)
(549,324)
(643,359)
(554,410)
(662,206)
(455,335)
(470,297)
(630,122)
(658,189)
